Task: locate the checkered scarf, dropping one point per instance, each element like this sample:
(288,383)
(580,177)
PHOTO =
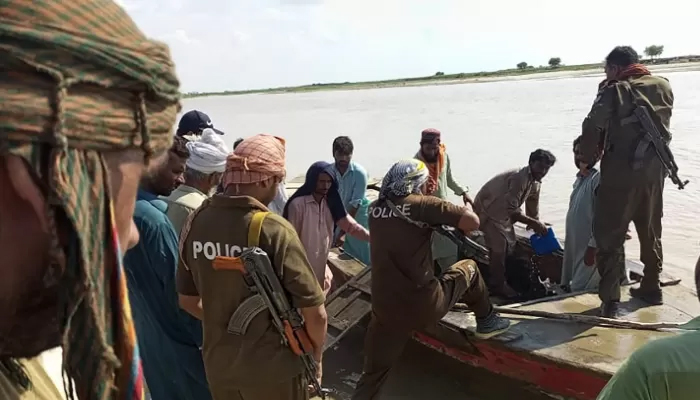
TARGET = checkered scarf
(404,177)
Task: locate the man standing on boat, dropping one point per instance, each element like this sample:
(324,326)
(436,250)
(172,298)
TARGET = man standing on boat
(578,271)
(664,369)
(205,166)
(406,293)
(254,365)
(432,152)
(352,184)
(170,338)
(632,175)
(498,205)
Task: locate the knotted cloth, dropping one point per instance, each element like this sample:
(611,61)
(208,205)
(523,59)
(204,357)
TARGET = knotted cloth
(404,178)
(255,160)
(78,78)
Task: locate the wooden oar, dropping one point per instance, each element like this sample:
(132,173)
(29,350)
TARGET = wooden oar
(585,319)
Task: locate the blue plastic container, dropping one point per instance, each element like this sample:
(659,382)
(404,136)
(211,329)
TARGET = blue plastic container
(547,244)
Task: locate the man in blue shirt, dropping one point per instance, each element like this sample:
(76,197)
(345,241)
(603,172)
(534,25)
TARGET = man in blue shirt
(169,338)
(352,182)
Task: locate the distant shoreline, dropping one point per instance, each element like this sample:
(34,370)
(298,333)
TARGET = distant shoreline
(685,63)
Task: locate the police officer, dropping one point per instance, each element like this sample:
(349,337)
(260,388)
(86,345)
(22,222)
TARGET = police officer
(631,176)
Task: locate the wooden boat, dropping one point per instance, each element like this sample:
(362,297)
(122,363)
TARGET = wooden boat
(571,360)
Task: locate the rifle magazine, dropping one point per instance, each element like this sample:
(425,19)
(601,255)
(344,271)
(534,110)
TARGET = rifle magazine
(244,314)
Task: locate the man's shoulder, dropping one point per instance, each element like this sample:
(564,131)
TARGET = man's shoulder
(277,224)
(150,212)
(670,354)
(359,169)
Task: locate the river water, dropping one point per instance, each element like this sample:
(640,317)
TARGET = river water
(487,128)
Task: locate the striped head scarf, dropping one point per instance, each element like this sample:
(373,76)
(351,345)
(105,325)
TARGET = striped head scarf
(78,79)
(255,160)
(404,178)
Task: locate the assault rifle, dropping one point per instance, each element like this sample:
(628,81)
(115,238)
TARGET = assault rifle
(467,248)
(660,145)
(269,294)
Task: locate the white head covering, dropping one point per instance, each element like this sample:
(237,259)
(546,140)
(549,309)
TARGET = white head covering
(208,154)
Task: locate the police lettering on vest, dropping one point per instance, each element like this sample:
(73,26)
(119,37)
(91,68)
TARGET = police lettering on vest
(212,249)
(387,212)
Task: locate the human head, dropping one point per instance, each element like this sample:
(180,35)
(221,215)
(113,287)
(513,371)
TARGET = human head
(86,105)
(166,172)
(255,168)
(619,58)
(540,162)
(404,178)
(430,144)
(342,152)
(207,161)
(578,157)
(194,122)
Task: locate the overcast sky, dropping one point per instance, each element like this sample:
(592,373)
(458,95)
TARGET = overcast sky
(234,44)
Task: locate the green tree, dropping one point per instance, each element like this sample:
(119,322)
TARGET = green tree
(439,73)
(554,62)
(654,51)
(522,65)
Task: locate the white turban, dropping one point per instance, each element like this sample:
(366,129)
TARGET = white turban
(208,154)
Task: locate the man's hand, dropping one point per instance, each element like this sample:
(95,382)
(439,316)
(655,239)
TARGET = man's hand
(319,376)
(467,199)
(589,257)
(538,227)
(340,241)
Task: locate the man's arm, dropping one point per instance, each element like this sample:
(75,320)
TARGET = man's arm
(532,203)
(359,190)
(517,185)
(458,189)
(434,211)
(296,214)
(594,194)
(299,281)
(187,293)
(595,124)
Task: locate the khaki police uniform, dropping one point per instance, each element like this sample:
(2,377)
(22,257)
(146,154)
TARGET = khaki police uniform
(631,177)
(406,294)
(255,365)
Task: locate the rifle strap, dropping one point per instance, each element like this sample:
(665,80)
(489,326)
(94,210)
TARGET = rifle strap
(255,228)
(405,217)
(253,305)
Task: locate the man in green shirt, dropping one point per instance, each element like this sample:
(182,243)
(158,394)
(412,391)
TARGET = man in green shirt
(665,369)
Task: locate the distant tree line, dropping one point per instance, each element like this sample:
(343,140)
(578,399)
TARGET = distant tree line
(653,52)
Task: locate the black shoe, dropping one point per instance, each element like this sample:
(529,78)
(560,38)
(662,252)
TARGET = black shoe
(655,297)
(610,309)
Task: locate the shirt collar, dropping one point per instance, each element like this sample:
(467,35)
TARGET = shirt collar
(145,195)
(593,172)
(189,189)
(351,167)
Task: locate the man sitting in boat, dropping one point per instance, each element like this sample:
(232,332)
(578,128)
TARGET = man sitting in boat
(578,271)
(432,152)
(314,210)
(665,369)
(498,205)
(406,293)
